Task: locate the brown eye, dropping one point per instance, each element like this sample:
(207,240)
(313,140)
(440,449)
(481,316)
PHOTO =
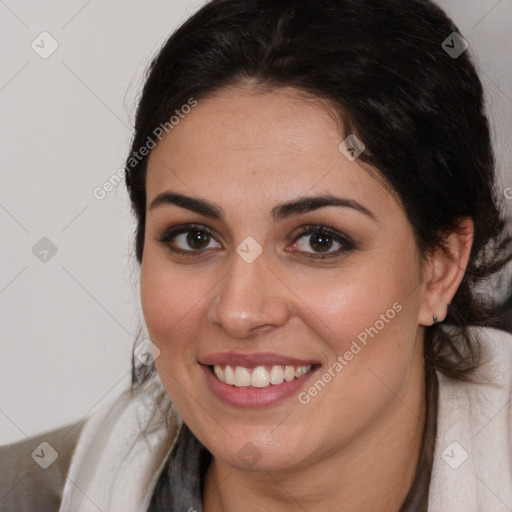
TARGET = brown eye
(189,239)
(317,243)
(198,239)
(322,242)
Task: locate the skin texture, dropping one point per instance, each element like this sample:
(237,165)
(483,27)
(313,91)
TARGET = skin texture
(356,442)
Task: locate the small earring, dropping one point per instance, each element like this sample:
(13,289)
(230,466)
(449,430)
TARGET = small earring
(435,319)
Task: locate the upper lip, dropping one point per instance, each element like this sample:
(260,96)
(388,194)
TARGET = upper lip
(255,359)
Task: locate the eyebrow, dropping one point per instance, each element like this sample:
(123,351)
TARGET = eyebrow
(281,211)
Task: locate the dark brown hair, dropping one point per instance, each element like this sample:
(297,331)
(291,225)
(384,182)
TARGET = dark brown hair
(382,67)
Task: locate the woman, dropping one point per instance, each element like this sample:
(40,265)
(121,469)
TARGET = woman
(313,184)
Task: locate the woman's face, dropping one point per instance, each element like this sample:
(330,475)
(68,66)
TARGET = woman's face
(257,276)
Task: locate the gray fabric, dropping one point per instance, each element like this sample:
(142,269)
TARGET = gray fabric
(25,486)
(180,485)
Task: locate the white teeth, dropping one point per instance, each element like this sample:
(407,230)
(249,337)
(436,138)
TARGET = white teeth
(219,372)
(289,373)
(260,377)
(301,370)
(229,375)
(242,377)
(276,375)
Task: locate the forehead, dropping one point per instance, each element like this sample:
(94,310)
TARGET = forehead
(243,144)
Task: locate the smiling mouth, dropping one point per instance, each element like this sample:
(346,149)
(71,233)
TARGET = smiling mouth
(259,376)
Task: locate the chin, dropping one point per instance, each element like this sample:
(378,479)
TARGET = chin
(257,452)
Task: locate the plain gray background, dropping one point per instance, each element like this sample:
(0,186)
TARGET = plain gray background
(67,325)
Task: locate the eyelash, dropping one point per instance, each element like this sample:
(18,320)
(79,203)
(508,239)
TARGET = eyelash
(347,244)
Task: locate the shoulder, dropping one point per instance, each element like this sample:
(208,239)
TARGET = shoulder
(472,460)
(481,405)
(495,358)
(479,410)
(33,471)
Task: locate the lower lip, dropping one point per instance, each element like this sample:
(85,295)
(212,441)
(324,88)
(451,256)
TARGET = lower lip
(251,396)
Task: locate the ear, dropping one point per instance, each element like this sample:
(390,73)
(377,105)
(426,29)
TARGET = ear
(443,272)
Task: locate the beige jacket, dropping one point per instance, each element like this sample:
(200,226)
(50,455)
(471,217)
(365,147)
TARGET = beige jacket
(25,486)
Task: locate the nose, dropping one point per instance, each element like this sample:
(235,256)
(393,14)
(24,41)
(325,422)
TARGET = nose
(250,299)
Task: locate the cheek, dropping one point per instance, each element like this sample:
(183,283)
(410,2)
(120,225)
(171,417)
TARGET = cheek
(171,303)
(170,300)
(367,311)
(367,322)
